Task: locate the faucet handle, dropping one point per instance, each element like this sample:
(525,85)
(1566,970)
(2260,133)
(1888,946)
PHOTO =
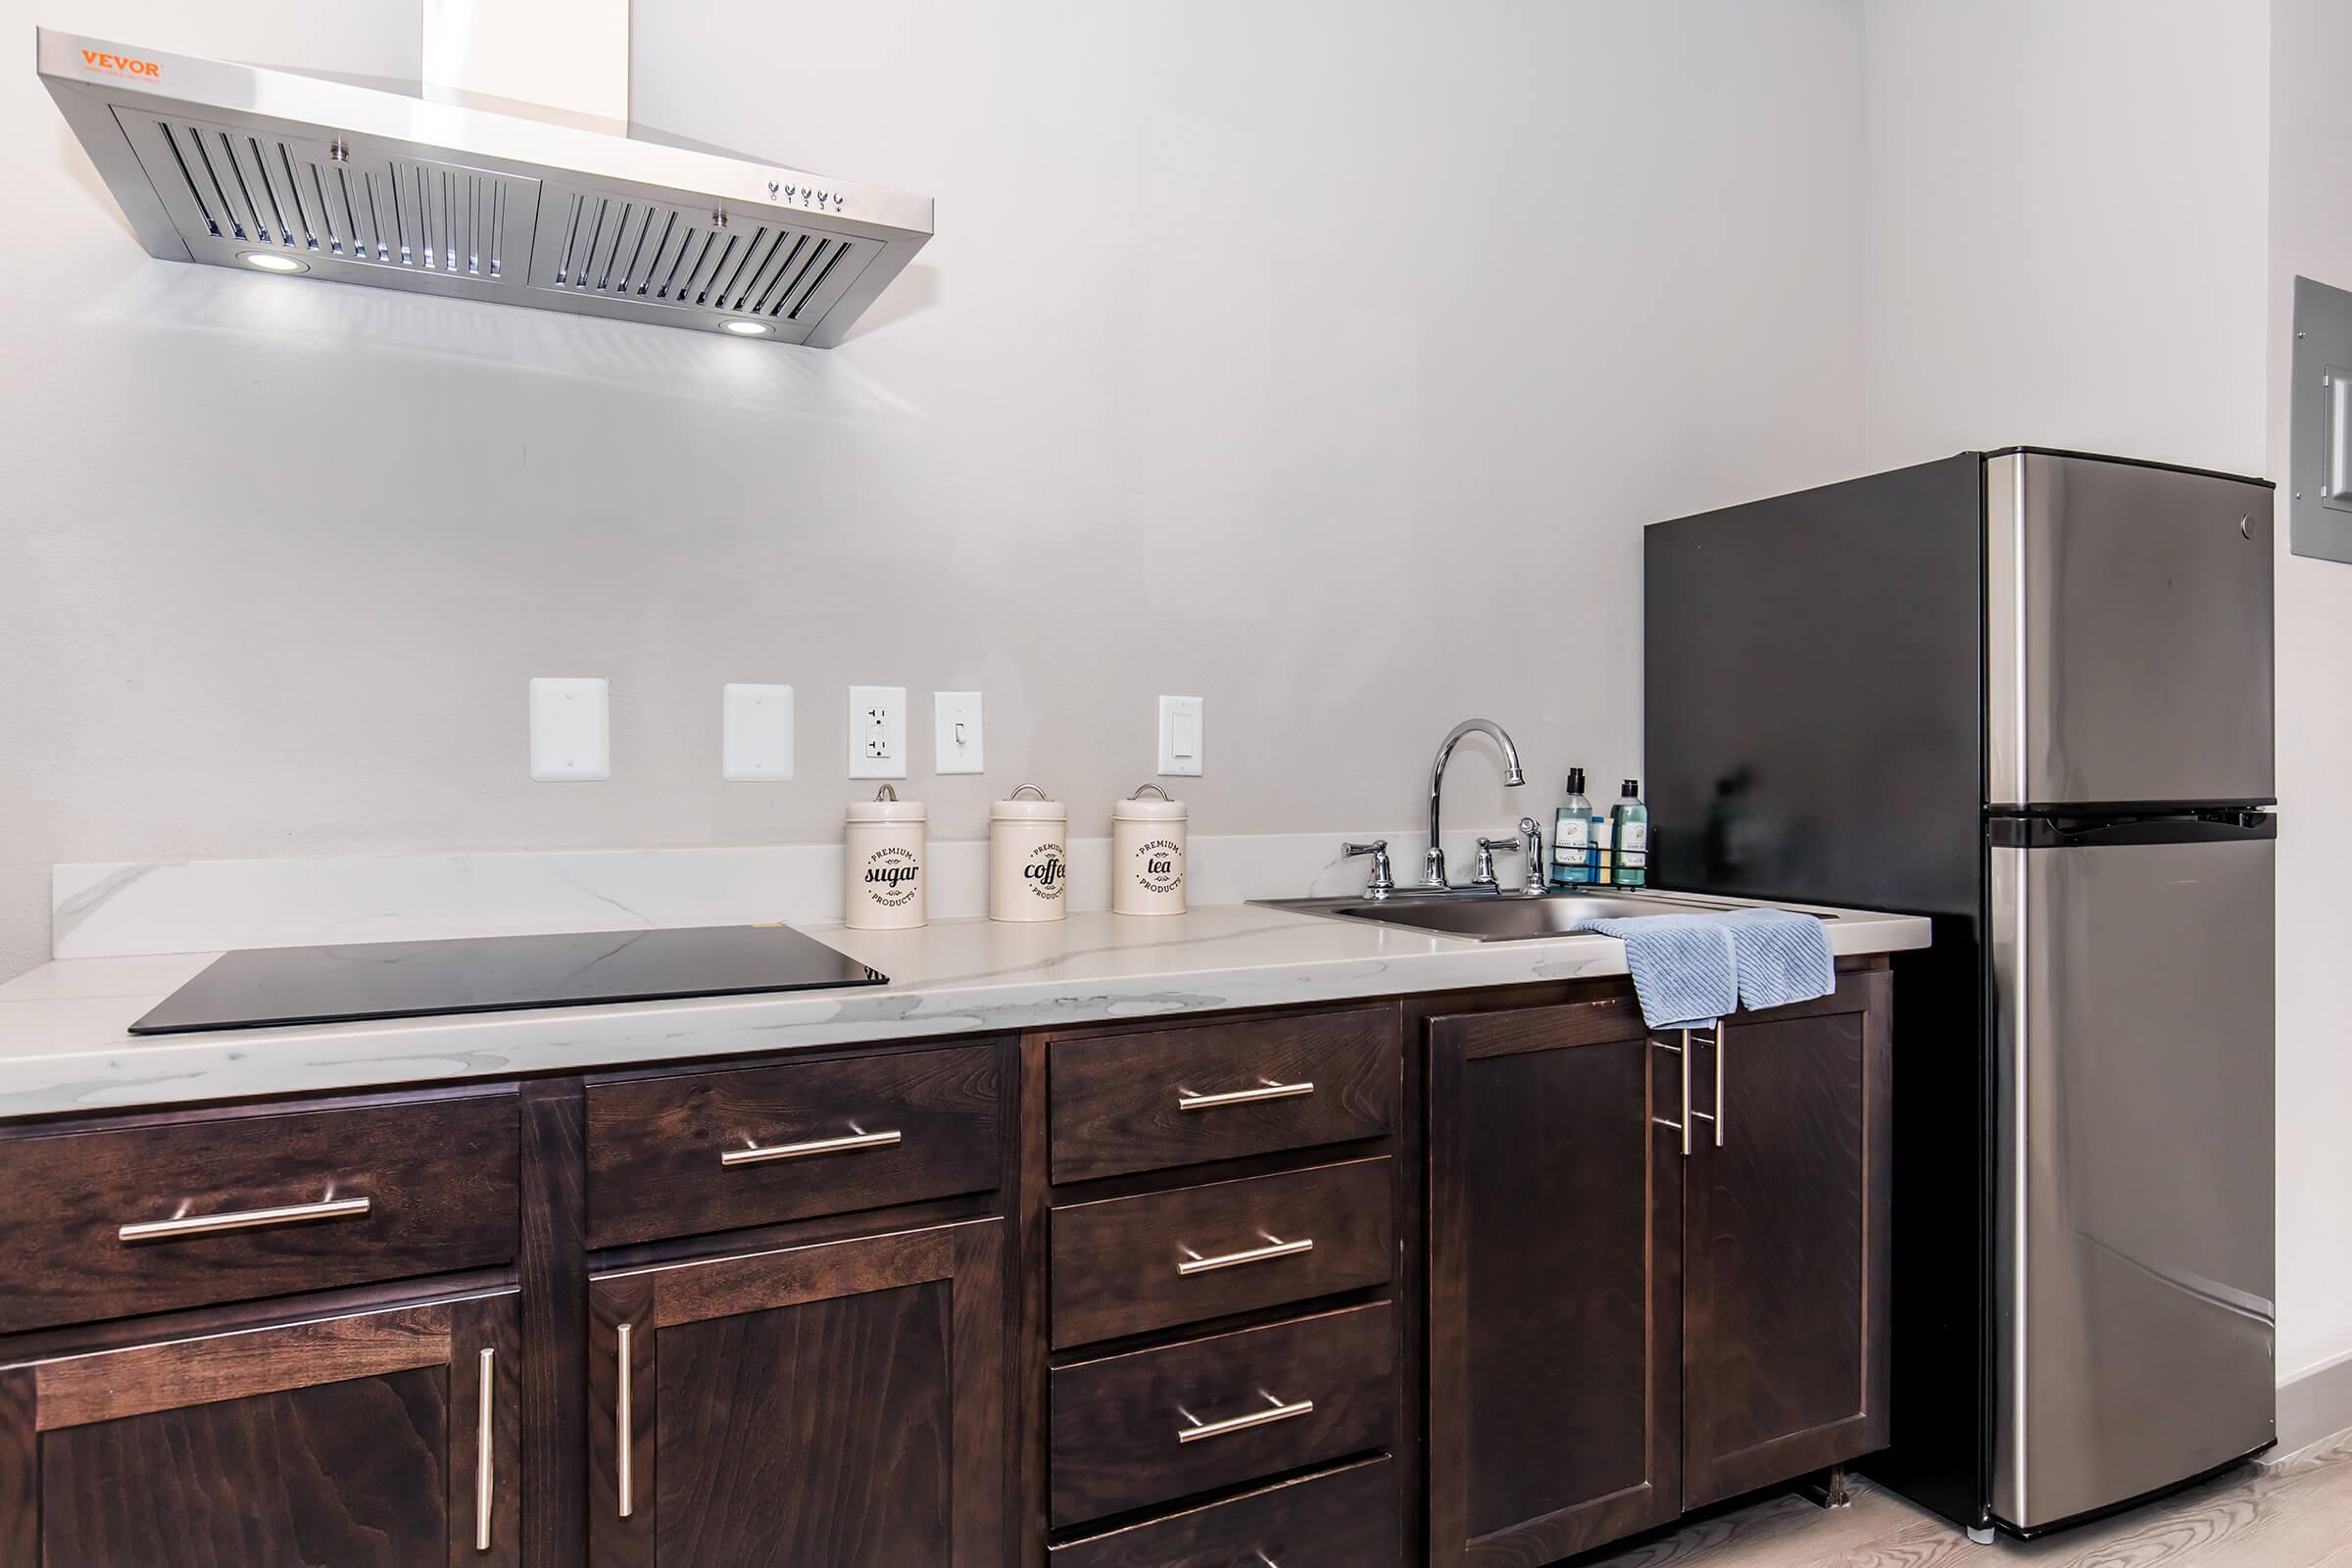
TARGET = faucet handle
(1384,878)
(1482,875)
(1532,832)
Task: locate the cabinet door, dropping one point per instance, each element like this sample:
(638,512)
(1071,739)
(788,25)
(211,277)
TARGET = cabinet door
(839,1406)
(382,1440)
(1554,1313)
(1785,1245)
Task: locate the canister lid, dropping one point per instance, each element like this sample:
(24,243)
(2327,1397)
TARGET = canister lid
(1013,808)
(886,807)
(1137,807)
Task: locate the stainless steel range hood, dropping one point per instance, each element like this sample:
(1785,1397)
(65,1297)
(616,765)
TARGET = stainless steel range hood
(242,167)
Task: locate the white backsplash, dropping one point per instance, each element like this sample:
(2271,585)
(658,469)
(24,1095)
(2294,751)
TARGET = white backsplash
(126,909)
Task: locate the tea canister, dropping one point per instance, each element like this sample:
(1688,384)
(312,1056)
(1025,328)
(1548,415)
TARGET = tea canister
(1028,862)
(884,873)
(1146,854)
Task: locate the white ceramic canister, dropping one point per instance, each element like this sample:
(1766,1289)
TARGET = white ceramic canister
(884,871)
(1028,859)
(1146,854)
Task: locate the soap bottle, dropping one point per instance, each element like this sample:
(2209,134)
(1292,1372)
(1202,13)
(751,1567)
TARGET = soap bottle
(1628,821)
(1571,836)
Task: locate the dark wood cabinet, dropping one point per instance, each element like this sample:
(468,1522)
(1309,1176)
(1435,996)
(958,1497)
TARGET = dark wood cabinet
(1785,1245)
(1619,1330)
(835,1405)
(355,1441)
(1554,1295)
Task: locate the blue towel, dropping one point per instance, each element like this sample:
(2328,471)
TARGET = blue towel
(1682,966)
(1690,969)
(1782,956)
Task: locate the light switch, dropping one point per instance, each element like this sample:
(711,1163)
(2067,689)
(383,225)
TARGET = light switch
(957,741)
(755,734)
(572,731)
(878,732)
(1180,737)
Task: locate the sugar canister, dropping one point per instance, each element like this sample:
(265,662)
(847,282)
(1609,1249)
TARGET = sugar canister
(1146,854)
(884,873)
(1028,863)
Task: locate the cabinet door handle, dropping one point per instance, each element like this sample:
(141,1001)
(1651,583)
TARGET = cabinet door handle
(1269,1090)
(815,1146)
(245,1219)
(483,1438)
(623,1422)
(1274,1411)
(1197,1264)
(1682,1054)
(1714,1043)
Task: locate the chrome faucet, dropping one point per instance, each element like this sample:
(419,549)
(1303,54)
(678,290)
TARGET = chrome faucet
(1532,832)
(1436,877)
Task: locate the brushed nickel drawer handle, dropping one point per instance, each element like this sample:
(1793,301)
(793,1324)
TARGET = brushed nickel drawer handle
(1274,1411)
(1268,1089)
(482,1452)
(1197,1264)
(817,1145)
(165,1230)
(623,1422)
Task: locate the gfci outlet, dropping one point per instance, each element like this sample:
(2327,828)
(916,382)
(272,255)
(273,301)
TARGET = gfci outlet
(878,732)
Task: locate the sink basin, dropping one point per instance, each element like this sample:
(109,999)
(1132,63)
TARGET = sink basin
(1497,918)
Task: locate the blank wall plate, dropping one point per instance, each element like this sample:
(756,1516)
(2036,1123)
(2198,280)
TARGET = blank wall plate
(956,741)
(755,733)
(878,732)
(572,730)
(1180,736)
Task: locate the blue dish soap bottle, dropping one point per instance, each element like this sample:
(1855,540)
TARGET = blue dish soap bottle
(1572,837)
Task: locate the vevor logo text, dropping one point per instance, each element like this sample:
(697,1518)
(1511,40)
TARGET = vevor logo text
(120,65)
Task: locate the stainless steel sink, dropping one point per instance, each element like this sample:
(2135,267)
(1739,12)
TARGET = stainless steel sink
(1496,916)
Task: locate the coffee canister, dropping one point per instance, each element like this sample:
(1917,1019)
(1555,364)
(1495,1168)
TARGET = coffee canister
(1028,862)
(884,868)
(1146,854)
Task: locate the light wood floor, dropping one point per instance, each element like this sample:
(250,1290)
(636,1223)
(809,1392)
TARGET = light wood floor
(2293,1512)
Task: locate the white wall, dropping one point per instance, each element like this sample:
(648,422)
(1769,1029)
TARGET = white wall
(2310,234)
(2064,210)
(1321,360)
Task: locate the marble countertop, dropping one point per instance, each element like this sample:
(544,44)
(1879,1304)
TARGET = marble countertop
(64,1043)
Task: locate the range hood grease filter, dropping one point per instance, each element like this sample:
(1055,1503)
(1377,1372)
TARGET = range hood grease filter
(241,167)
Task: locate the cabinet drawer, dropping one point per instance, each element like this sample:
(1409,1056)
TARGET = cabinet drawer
(1128,1266)
(717,1151)
(1179,1097)
(117,1221)
(1344,1518)
(1155,1425)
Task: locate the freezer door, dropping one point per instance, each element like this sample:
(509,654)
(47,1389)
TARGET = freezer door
(2133,1252)
(2128,633)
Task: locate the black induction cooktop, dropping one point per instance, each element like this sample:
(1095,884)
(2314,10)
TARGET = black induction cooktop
(264,986)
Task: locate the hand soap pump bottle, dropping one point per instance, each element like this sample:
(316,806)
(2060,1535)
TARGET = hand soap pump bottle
(1629,823)
(1571,836)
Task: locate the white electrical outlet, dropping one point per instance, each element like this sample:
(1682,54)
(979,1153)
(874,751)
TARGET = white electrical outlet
(878,732)
(572,731)
(1180,737)
(956,715)
(755,733)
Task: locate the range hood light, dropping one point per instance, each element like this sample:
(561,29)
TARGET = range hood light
(746,328)
(273,261)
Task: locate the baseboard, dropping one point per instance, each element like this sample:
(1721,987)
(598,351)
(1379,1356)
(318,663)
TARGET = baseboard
(2318,1404)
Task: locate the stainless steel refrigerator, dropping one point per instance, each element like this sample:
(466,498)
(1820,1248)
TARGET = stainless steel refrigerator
(2027,694)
